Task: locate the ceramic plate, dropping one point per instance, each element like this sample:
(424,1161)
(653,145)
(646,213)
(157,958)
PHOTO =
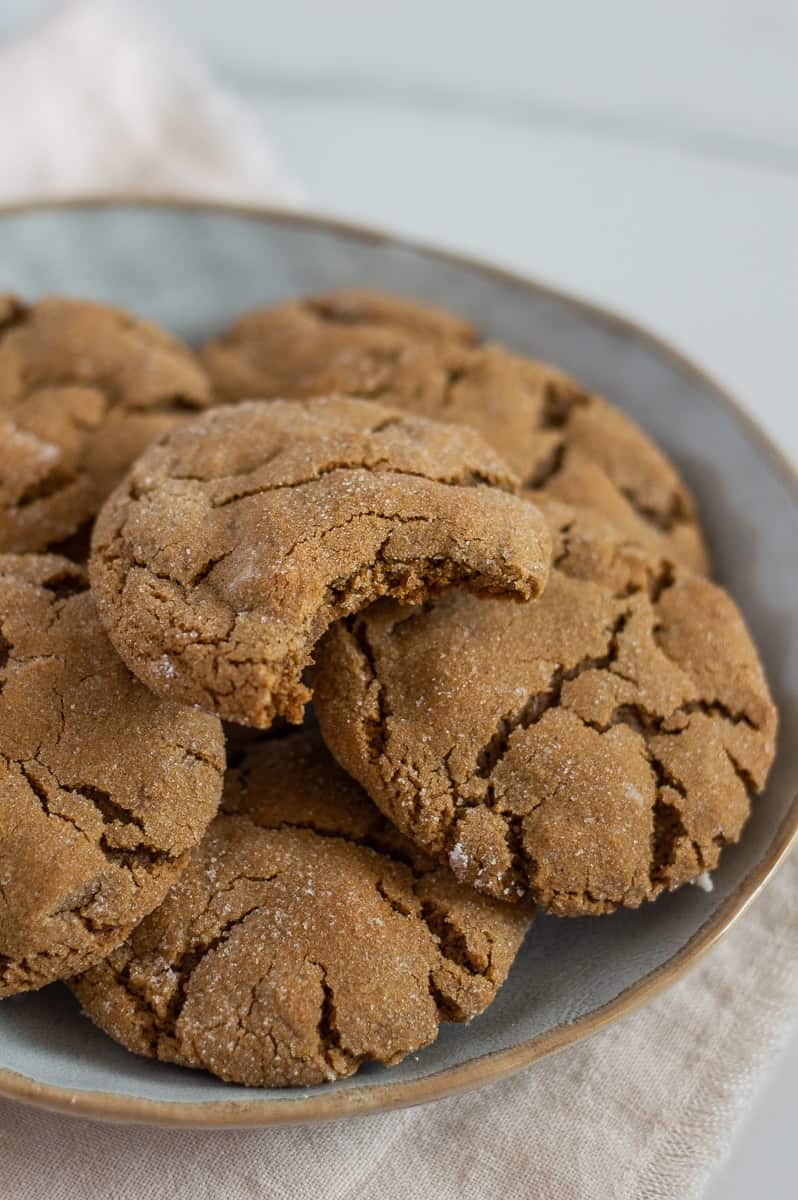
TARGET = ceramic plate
(195,267)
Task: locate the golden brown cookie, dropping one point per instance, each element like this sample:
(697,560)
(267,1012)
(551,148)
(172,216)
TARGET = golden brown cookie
(549,429)
(592,749)
(84,388)
(103,787)
(236,541)
(305,937)
(559,437)
(360,343)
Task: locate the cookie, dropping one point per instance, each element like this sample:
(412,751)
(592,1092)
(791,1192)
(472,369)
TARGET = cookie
(361,343)
(236,541)
(550,430)
(592,749)
(84,388)
(559,437)
(305,937)
(103,787)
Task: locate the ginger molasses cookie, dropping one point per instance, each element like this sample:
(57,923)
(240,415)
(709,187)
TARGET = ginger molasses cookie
(592,749)
(359,343)
(559,437)
(235,542)
(549,429)
(304,938)
(103,787)
(84,388)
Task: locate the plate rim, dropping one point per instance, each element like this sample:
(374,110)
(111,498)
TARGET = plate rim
(293,1108)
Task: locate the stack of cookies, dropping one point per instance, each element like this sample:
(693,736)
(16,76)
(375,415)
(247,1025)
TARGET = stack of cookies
(526,692)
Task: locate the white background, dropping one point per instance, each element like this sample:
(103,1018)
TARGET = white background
(643,153)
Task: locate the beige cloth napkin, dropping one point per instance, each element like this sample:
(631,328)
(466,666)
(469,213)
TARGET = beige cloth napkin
(643,1110)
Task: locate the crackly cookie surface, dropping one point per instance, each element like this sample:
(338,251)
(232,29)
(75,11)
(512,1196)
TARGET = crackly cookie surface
(103,787)
(550,430)
(592,749)
(84,388)
(305,937)
(235,542)
(360,343)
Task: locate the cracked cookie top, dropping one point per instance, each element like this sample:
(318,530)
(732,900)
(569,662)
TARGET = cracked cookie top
(84,388)
(592,749)
(360,343)
(103,787)
(551,431)
(304,938)
(235,542)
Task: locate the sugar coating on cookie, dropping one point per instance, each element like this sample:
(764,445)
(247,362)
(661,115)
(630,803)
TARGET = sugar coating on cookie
(357,342)
(84,388)
(549,429)
(236,541)
(103,786)
(304,938)
(592,749)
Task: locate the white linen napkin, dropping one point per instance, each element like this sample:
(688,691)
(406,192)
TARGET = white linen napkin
(643,1110)
(104,102)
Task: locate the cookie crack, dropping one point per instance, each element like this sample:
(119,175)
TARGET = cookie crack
(57,479)
(563,531)
(183,968)
(40,792)
(463,478)
(716,708)
(660,581)
(6,648)
(540,702)
(668,828)
(65,583)
(394,902)
(452,941)
(13,314)
(90,924)
(547,469)
(327,313)
(375,730)
(665,519)
(321,534)
(177,404)
(111,811)
(560,401)
(205,570)
(199,756)
(745,776)
(127,858)
(327,1031)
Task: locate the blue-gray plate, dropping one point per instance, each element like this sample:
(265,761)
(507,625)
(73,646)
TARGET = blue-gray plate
(193,268)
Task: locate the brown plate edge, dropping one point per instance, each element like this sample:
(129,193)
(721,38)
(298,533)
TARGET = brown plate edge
(319,1107)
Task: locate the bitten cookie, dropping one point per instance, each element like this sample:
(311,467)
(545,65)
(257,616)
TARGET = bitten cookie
(549,429)
(305,937)
(592,749)
(84,388)
(236,541)
(103,787)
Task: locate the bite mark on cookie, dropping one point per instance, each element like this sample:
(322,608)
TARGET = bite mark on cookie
(236,542)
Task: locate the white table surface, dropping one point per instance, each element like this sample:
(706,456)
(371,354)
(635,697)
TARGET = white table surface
(643,153)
